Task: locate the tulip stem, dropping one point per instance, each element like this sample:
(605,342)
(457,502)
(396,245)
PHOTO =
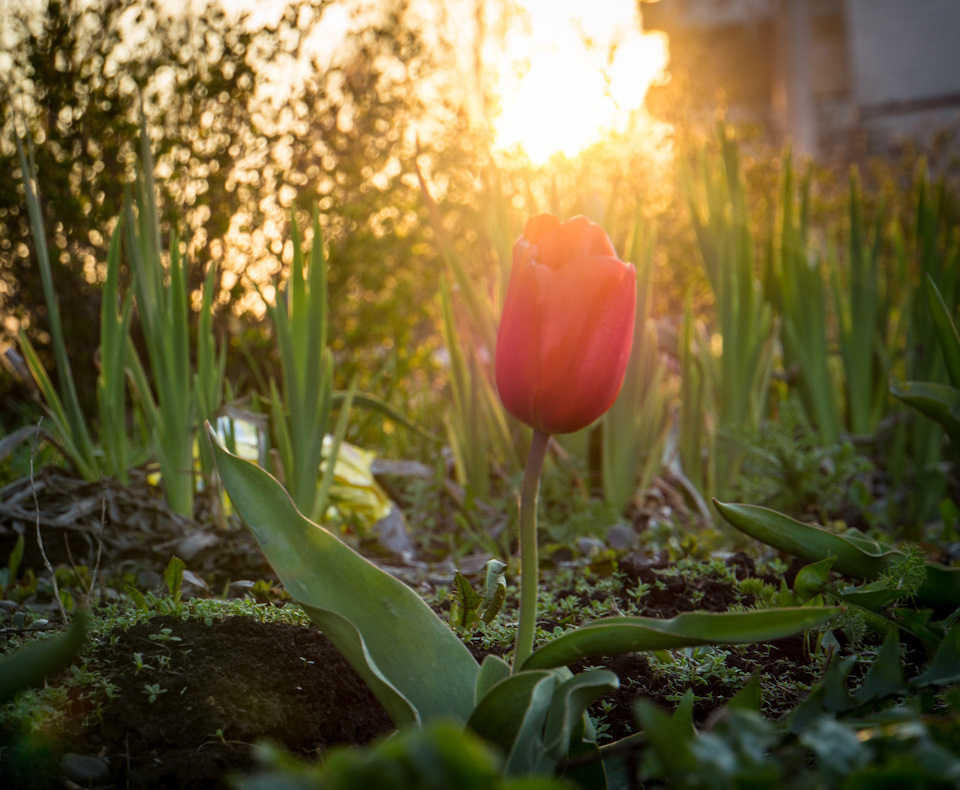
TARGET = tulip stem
(529,563)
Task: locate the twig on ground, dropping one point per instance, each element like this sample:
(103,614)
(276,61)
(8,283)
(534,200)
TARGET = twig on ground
(36,504)
(103,526)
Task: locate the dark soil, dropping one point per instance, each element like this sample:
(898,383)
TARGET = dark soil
(225,687)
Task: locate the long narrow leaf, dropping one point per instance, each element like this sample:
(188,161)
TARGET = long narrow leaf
(939,402)
(72,444)
(31,665)
(617,635)
(73,425)
(946,331)
(112,381)
(857,558)
(381,626)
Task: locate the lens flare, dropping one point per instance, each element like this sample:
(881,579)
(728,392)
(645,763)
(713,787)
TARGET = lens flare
(573,74)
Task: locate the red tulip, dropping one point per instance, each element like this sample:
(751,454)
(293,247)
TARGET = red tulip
(567,325)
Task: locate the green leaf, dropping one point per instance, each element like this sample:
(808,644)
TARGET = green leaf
(946,331)
(749,698)
(669,735)
(838,750)
(137,597)
(812,579)
(13,564)
(855,556)
(830,695)
(939,402)
(30,665)
(73,442)
(584,765)
(67,412)
(512,716)
(885,678)
(617,635)
(416,666)
(464,609)
(492,671)
(945,668)
(373,403)
(173,576)
(570,702)
(494,589)
(873,596)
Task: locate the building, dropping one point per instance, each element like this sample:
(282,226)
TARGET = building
(833,76)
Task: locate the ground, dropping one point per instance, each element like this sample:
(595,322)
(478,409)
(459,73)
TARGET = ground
(189,699)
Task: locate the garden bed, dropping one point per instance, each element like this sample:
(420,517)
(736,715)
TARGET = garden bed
(182,698)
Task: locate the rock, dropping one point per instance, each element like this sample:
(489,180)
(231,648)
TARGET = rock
(621,537)
(84,770)
(590,546)
(391,532)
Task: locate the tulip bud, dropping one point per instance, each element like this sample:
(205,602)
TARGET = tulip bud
(567,325)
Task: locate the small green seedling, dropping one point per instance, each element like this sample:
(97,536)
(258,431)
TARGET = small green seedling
(153,690)
(165,635)
(173,576)
(470,607)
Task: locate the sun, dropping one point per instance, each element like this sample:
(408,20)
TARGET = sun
(570,75)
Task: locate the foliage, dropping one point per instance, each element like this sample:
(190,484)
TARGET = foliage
(63,406)
(899,748)
(437,757)
(300,408)
(852,554)
(76,80)
(30,666)
(881,730)
(940,402)
(388,634)
(787,467)
(794,285)
(233,155)
(164,311)
(636,426)
(737,379)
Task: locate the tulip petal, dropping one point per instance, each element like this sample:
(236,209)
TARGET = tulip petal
(539,226)
(586,335)
(570,241)
(567,325)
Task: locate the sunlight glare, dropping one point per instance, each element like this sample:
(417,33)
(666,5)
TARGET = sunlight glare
(571,77)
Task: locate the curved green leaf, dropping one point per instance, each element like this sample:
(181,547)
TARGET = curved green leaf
(946,331)
(617,635)
(350,643)
(31,665)
(512,715)
(856,557)
(570,702)
(873,596)
(415,664)
(939,402)
(492,671)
